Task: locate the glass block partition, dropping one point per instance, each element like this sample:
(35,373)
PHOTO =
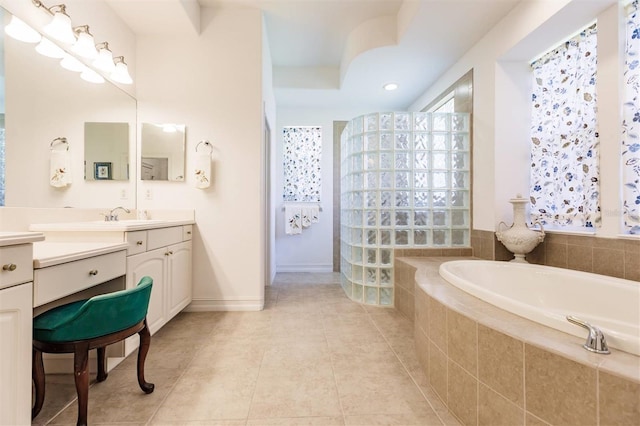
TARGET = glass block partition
(405,183)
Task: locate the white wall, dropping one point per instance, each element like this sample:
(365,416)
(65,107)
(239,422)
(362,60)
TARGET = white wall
(311,251)
(212,83)
(500,130)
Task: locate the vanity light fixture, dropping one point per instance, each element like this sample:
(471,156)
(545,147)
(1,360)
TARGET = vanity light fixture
(104,61)
(121,74)
(91,76)
(60,26)
(47,48)
(85,45)
(19,30)
(72,64)
(390,86)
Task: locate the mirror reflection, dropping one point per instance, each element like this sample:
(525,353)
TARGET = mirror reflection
(163,152)
(44,101)
(106,151)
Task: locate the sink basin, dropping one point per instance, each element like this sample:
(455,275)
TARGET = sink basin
(129,222)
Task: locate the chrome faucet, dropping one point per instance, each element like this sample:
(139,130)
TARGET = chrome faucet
(595,340)
(113,216)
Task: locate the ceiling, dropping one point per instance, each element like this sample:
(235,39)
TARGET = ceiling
(339,53)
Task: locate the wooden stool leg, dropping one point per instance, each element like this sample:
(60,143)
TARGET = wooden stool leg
(37,373)
(145,342)
(81,373)
(102,365)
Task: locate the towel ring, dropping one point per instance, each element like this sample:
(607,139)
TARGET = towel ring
(206,143)
(59,141)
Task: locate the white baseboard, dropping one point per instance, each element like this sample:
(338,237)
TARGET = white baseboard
(320,267)
(208,305)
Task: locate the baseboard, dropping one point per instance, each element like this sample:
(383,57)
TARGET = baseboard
(320,267)
(208,305)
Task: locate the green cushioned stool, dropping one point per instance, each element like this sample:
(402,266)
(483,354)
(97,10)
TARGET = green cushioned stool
(91,324)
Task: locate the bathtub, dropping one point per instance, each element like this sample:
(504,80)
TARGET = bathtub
(547,295)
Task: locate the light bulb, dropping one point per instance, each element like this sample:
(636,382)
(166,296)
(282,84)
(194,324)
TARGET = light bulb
(72,64)
(60,27)
(47,48)
(104,61)
(85,45)
(121,73)
(91,76)
(19,30)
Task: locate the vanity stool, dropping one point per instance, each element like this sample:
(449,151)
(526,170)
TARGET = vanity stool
(95,323)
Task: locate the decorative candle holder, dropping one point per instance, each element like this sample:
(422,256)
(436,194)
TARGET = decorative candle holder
(518,238)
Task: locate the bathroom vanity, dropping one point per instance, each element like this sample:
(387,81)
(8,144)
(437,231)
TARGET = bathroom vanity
(16,288)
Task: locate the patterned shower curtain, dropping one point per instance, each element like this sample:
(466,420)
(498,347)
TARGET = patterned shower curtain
(564,135)
(631,124)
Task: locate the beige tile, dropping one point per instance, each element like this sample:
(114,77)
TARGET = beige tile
(632,265)
(422,350)
(422,310)
(462,394)
(438,324)
(609,243)
(501,363)
(608,262)
(550,388)
(619,400)
(119,398)
(531,420)
(554,238)
(438,371)
(166,353)
(556,255)
(408,419)
(298,421)
(196,423)
(462,341)
(580,258)
(60,391)
(495,410)
(581,240)
(537,255)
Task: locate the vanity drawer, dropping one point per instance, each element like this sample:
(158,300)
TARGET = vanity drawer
(58,281)
(137,242)
(16,265)
(187,232)
(163,237)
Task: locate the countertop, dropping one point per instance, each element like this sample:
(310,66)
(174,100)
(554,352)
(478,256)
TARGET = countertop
(100,225)
(9,238)
(47,254)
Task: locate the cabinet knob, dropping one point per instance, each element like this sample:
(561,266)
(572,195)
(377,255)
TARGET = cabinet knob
(167,253)
(93,272)
(138,243)
(9,267)
(188,232)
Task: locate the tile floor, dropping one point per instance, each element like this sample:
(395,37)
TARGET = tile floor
(311,357)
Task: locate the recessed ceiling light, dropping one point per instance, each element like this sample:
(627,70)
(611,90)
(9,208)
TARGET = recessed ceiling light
(390,86)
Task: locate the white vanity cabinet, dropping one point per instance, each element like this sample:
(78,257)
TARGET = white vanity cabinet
(16,287)
(164,254)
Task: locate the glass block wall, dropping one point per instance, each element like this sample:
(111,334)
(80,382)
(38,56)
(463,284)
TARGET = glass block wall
(405,183)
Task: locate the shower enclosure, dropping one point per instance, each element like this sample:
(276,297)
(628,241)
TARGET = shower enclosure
(405,183)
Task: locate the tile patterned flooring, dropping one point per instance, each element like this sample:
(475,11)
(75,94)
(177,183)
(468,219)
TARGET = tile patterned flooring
(311,357)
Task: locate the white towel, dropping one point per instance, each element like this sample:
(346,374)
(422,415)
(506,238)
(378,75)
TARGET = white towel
(292,219)
(60,172)
(310,215)
(203,170)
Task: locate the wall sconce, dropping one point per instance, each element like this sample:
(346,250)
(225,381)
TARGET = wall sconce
(91,76)
(60,26)
(47,48)
(104,61)
(19,30)
(70,63)
(121,73)
(84,45)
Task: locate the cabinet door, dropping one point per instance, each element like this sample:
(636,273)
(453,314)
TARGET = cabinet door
(153,264)
(15,354)
(179,277)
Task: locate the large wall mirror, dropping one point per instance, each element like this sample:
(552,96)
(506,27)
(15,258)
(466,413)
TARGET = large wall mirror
(44,101)
(163,152)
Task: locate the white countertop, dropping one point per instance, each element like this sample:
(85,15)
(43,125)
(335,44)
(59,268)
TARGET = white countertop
(9,238)
(47,254)
(100,225)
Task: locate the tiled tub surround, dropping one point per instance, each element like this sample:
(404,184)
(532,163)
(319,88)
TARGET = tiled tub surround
(615,257)
(492,367)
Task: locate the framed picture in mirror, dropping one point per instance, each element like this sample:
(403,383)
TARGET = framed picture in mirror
(102,171)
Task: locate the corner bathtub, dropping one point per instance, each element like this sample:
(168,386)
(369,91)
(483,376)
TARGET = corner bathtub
(547,295)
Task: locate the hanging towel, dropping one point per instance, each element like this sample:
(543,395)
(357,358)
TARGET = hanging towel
(60,172)
(292,219)
(310,215)
(203,170)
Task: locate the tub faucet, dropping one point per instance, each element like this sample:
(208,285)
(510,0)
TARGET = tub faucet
(595,340)
(113,216)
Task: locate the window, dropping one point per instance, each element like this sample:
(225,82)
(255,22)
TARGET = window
(631,124)
(564,185)
(302,154)
(447,104)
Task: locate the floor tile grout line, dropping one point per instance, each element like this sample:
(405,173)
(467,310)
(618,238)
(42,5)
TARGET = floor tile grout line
(333,372)
(407,370)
